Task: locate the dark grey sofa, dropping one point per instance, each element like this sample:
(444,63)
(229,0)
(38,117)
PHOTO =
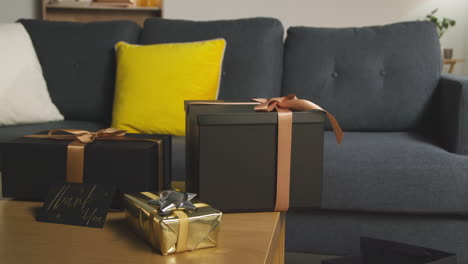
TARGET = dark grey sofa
(401,172)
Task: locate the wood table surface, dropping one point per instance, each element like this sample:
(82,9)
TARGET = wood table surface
(244,238)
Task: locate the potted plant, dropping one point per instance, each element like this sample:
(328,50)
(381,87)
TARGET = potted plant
(442,24)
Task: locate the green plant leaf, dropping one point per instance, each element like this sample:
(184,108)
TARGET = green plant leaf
(442,24)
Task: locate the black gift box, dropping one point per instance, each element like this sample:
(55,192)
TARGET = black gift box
(388,252)
(232,153)
(31,165)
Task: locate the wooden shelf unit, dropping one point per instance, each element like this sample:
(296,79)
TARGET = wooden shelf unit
(82,12)
(452,63)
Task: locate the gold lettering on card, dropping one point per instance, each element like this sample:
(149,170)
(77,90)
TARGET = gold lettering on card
(66,199)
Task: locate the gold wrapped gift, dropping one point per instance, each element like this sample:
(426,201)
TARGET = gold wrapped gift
(178,231)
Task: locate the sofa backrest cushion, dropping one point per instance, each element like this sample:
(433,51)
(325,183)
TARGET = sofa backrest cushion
(78,61)
(377,78)
(254,52)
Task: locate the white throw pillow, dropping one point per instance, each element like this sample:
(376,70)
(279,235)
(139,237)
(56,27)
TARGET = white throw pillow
(24,97)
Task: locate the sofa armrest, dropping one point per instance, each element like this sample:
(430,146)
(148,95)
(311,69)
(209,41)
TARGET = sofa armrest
(453,128)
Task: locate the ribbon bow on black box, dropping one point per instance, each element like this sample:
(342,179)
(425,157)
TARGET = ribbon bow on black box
(376,251)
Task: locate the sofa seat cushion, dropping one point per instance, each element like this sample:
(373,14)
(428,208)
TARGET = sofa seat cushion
(338,233)
(78,61)
(382,172)
(253,61)
(378,78)
(8,133)
(393,172)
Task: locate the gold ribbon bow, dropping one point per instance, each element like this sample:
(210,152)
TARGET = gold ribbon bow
(285,106)
(85,136)
(75,149)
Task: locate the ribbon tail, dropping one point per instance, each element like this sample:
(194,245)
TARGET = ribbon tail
(260,100)
(336,127)
(71,131)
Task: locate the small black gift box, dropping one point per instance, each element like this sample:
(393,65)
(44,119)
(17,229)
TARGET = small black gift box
(387,252)
(138,162)
(233,156)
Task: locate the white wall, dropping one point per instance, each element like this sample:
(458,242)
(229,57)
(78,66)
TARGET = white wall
(333,13)
(12,10)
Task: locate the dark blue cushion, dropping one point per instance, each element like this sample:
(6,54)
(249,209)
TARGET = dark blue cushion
(377,78)
(254,53)
(393,172)
(78,61)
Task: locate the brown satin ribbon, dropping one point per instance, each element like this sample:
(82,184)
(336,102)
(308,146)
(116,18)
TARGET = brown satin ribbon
(182,235)
(284,106)
(75,149)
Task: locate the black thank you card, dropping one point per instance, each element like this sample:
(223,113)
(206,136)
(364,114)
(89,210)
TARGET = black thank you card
(77,204)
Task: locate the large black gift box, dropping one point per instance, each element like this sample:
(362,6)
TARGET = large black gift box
(388,252)
(232,157)
(31,165)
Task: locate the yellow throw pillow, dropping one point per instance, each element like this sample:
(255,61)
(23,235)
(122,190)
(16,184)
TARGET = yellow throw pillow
(153,81)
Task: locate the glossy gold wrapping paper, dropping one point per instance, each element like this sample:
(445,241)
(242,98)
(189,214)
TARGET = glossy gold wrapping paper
(178,232)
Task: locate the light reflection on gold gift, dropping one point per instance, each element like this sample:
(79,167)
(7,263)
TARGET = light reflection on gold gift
(178,232)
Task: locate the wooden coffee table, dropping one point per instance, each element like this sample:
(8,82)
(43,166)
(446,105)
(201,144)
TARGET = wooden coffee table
(244,238)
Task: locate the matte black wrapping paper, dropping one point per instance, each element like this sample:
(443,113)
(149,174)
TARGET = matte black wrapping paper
(232,157)
(31,165)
